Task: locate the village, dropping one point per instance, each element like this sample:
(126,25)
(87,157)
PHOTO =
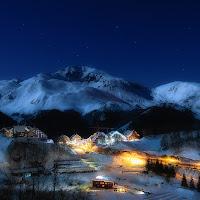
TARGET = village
(78,146)
(98,139)
(103,161)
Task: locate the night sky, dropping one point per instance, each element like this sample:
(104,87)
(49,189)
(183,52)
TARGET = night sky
(144,41)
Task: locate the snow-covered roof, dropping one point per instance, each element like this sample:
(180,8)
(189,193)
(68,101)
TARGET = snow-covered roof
(20,129)
(25,170)
(63,137)
(116,133)
(6,129)
(75,136)
(97,135)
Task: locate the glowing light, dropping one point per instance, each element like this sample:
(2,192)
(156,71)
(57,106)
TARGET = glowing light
(171,160)
(136,161)
(82,146)
(140,192)
(79,150)
(121,190)
(129,159)
(99,177)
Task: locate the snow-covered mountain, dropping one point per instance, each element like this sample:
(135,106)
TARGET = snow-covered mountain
(82,89)
(184,94)
(86,89)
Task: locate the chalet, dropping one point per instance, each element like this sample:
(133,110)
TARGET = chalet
(24,131)
(7,131)
(99,138)
(115,137)
(92,137)
(38,134)
(133,135)
(63,139)
(102,184)
(75,138)
(21,131)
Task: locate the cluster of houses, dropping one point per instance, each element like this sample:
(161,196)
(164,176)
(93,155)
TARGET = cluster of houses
(98,138)
(24,131)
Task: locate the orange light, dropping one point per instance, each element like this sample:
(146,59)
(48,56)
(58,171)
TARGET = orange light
(129,159)
(170,160)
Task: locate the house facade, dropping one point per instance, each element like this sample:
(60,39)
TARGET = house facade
(63,139)
(24,131)
(7,131)
(133,136)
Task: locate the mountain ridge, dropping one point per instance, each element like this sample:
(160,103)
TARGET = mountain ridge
(85,89)
(82,89)
(82,95)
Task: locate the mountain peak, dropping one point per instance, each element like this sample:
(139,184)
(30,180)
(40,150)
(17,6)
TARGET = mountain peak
(80,88)
(185,94)
(83,73)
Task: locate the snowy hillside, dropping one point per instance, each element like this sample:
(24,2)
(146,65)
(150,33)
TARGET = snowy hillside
(83,89)
(4,143)
(185,94)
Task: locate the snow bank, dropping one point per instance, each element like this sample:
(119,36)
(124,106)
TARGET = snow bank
(189,153)
(150,143)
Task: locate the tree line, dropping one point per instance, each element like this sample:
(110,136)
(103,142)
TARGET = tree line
(157,167)
(191,185)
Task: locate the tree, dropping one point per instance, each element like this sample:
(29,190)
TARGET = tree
(148,165)
(192,184)
(184,181)
(172,171)
(198,185)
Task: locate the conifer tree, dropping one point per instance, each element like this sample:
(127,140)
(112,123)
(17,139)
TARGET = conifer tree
(157,167)
(198,185)
(192,184)
(148,165)
(184,181)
